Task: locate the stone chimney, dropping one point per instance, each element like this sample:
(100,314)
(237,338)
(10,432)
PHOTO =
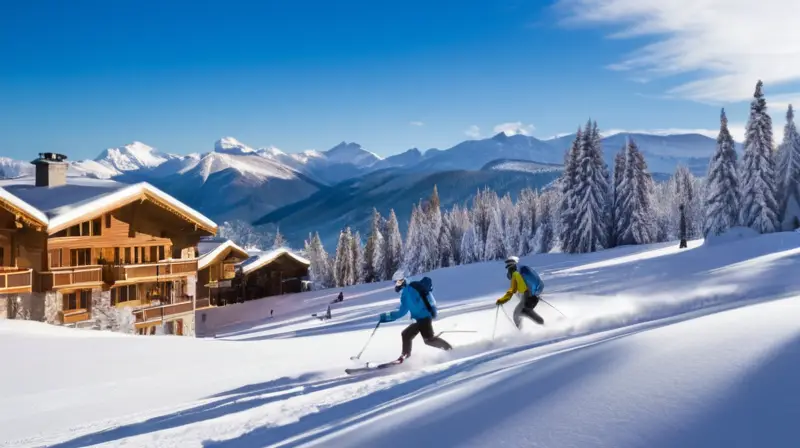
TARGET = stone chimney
(51,169)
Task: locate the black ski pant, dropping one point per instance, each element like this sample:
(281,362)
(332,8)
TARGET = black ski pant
(424,326)
(525,308)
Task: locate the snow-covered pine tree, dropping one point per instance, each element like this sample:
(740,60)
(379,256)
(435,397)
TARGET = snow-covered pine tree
(683,184)
(568,207)
(526,205)
(495,245)
(637,201)
(459,223)
(279,240)
(759,206)
(483,206)
(469,244)
(357,251)
(590,196)
(618,218)
(372,247)
(320,271)
(432,225)
(544,238)
(789,175)
(393,254)
(343,266)
(412,258)
(722,193)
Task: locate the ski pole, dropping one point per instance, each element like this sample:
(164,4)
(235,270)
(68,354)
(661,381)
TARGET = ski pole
(551,306)
(496,315)
(510,319)
(358,356)
(453,331)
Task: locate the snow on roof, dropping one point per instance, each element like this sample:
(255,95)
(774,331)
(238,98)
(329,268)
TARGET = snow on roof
(264,258)
(22,205)
(64,204)
(209,257)
(208,244)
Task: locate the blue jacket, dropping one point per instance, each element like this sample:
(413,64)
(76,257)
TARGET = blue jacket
(410,301)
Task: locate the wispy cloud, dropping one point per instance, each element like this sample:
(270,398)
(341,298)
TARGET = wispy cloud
(514,128)
(473,131)
(416,123)
(727,44)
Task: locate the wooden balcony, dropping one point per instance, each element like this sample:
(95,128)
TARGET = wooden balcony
(161,312)
(203,303)
(72,277)
(74,316)
(162,270)
(14,280)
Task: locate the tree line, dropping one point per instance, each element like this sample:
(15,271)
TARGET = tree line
(589,208)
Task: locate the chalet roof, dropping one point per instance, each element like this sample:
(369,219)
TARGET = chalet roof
(258,261)
(62,205)
(210,257)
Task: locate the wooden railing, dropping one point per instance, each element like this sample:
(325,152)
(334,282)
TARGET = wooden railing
(71,317)
(162,269)
(162,311)
(203,303)
(16,280)
(72,276)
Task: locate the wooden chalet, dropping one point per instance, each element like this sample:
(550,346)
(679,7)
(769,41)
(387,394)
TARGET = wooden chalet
(216,270)
(271,273)
(71,247)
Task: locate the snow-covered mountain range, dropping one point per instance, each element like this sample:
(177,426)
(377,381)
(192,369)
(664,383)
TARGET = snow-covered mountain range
(237,181)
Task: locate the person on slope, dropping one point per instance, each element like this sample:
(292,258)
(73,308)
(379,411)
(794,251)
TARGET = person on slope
(528,300)
(415,298)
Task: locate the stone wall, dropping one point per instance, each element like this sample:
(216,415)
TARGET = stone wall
(3,306)
(25,306)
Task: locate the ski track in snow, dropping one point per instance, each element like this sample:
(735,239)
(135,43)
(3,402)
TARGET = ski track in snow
(633,365)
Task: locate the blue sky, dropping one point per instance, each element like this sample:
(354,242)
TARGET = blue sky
(77,77)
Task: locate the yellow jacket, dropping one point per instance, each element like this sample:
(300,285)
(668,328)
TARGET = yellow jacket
(517,286)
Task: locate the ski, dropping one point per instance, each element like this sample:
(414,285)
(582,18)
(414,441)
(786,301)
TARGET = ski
(368,368)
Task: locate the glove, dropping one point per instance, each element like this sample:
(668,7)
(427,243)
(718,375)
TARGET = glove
(383,318)
(502,301)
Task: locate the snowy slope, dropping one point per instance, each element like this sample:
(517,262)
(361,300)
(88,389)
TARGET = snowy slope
(661,348)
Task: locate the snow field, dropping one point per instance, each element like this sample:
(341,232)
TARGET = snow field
(655,340)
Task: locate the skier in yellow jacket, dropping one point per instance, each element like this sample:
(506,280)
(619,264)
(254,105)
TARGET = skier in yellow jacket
(527,301)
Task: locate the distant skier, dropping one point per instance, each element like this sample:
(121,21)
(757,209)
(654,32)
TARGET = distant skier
(528,298)
(419,301)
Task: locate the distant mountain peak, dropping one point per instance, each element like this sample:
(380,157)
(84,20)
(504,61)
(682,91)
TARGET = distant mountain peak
(131,157)
(351,153)
(501,136)
(231,145)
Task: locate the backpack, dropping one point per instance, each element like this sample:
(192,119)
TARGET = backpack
(532,280)
(424,287)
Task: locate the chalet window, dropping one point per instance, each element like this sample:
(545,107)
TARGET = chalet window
(213,274)
(96,226)
(85,228)
(55,258)
(78,300)
(123,294)
(161,255)
(116,256)
(2,255)
(153,254)
(127,255)
(80,257)
(108,220)
(74,230)
(135,255)
(60,234)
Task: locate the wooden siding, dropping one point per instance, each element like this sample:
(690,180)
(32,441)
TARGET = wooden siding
(163,270)
(158,313)
(58,278)
(16,281)
(71,317)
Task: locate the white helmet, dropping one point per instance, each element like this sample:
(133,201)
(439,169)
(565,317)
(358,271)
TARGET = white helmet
(399,275)
(511,262)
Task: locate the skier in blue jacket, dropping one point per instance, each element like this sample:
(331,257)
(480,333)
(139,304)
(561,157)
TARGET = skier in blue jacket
(413,300)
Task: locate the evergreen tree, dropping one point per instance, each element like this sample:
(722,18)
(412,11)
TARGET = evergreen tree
(468,245)
(722,195)
(495,247)
(528,218)
(544,239)
(618,218)
(320,270)
(684,189)
(637,206)
(393,254)
(432,229)
(590,196)
(789,175)
(759,207)
(357,252)
(415,241)
(372,248)
(279,240)
(343,265)
(569,181)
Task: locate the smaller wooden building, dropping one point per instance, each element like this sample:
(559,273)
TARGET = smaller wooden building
(272,273)
(216,270)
